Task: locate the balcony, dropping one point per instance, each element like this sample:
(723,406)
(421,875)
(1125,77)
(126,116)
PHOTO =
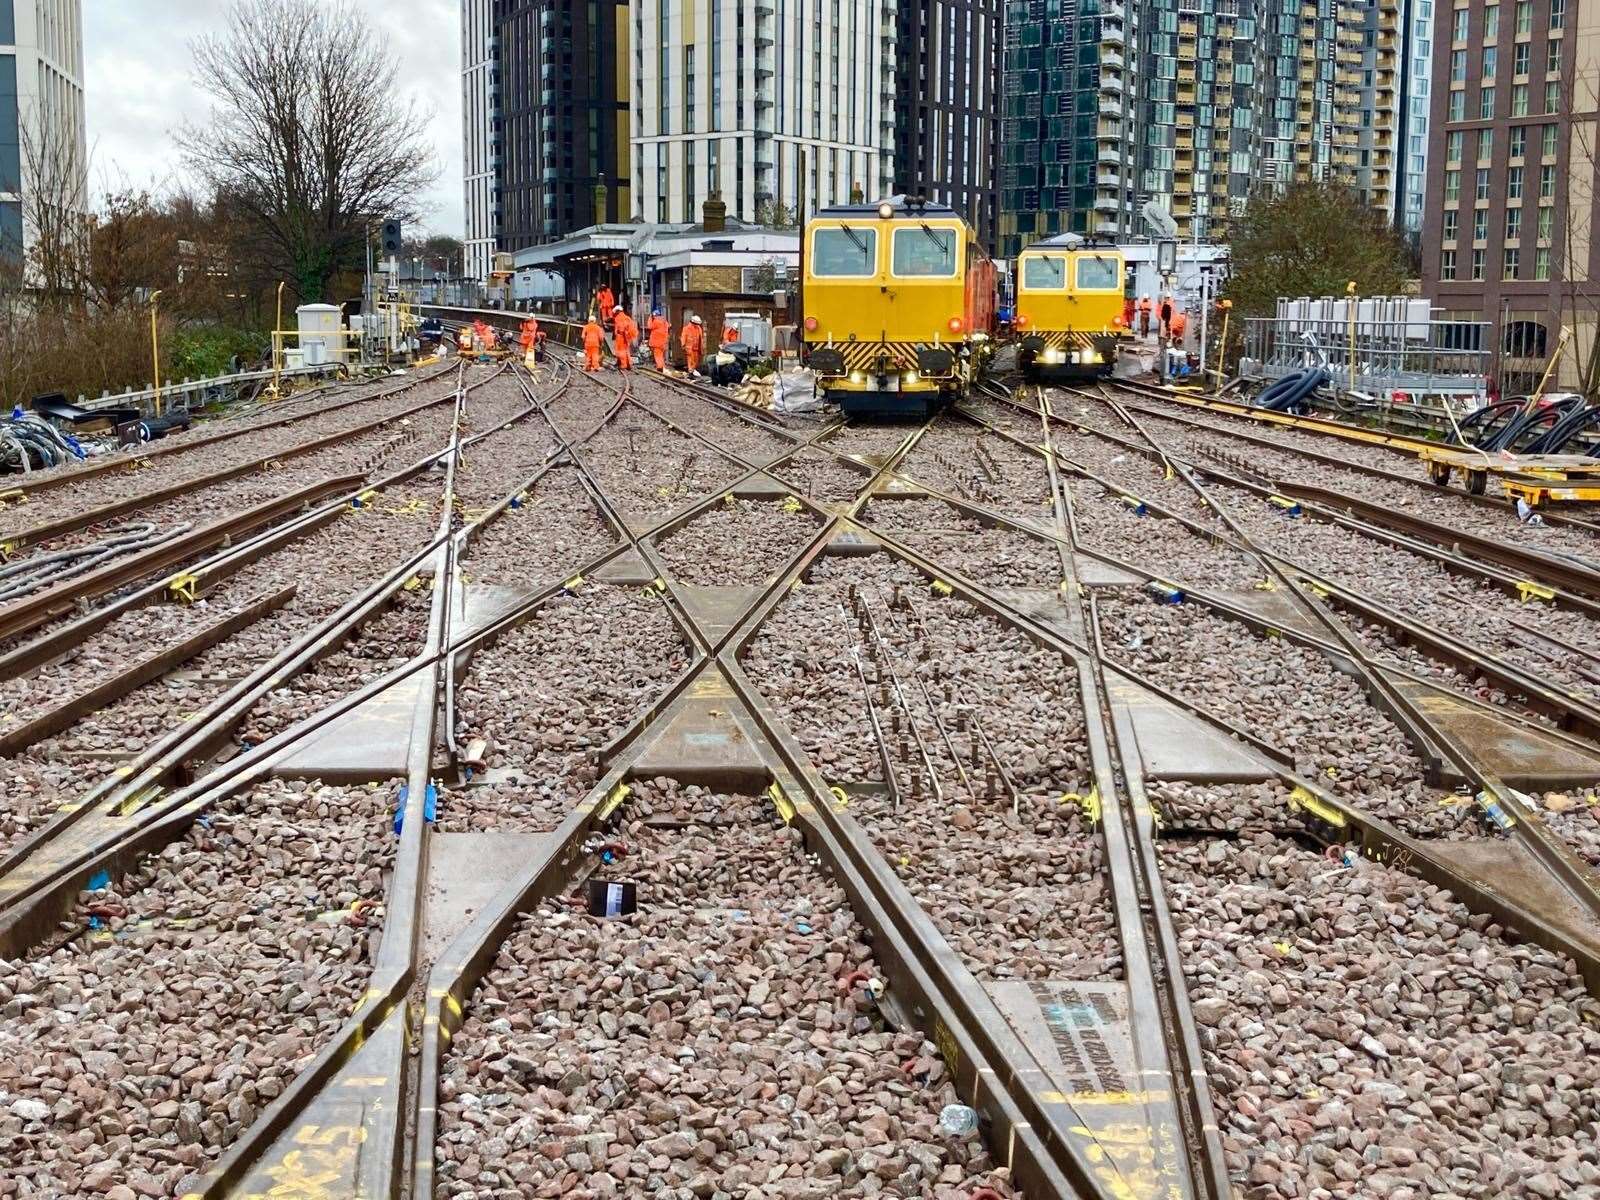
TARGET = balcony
(1111,34)
(1110,107)
(1108,176)
(1111,84)
(1110,60)
(1111,202)
(1110,156)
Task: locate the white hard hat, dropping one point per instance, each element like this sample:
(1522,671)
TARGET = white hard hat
(697,320)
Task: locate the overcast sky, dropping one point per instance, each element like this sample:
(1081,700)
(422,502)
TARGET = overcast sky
(140,86)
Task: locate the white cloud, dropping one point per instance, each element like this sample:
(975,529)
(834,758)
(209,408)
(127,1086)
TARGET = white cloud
(138,78)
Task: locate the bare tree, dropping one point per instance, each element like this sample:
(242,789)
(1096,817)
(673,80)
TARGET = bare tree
(55,211)
(306,139)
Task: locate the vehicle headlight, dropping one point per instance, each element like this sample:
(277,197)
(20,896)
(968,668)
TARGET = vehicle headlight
(858,377)
(911,378)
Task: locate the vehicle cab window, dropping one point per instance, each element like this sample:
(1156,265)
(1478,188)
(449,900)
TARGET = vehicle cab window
(1098,274)
(1044,273)
(923,251)
(849,250)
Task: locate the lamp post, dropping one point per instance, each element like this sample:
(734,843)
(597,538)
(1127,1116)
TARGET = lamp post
(155,348)
(277,345)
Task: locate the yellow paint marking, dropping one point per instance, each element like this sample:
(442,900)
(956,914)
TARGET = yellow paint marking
(1318,807)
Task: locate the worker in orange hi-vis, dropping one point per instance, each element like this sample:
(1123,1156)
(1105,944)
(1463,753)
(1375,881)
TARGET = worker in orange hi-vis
(593,338)
(1145,308)
(529,340)
(693,338)
(625,332)
(607,301)
(1178,324)
(730,335)
(660,334)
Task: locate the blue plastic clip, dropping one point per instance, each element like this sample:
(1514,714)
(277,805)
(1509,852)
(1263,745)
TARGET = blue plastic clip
(1164,594)
(516,502)
(430,805)
(100,879)
(400,809)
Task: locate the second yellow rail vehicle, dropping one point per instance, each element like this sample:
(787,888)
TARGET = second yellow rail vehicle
(1069,310)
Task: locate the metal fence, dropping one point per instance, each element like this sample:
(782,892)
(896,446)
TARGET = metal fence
(1432,358)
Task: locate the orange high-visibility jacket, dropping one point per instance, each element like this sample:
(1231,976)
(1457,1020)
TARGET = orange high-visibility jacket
(660,333)
(693,338)
(729,334)
(593,335)
(623,326)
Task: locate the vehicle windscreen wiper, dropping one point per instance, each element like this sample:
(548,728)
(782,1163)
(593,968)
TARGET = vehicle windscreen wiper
(851,233)
(944,250)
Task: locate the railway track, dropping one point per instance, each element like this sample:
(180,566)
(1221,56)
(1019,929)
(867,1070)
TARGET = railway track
(965,864)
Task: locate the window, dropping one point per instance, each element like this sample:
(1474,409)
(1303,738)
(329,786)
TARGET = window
(1452,186)
(924,252)
(1519,99)
(1044,272)
(1452,146)
(1478,259)
(1482,189)
(1513,224)
(1547,222)
(1524,17)
(1558,14)
(1519,141)
(11,230)
(1521,55)
(10,137)
(1491,59)
(849,250)
(1485,145)
(1098,273)
(1458,27)
(1552,97)
(1458,106)
(1510,259)
(1480,225)
(1541,263)
(1552,57)
(1447,265)
(1486,104)
(1452,224)
(1458,66)
(8,23)
(1548,138)
(1547,183)
(1514,183)
(1491,22)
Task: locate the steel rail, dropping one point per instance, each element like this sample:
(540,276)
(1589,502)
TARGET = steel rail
(1553,855)
(43,481)
(1568,711)
(393,1026)
(1442,535)
(141,786)
(34,534)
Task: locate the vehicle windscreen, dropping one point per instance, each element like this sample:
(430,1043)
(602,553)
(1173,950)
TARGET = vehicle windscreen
(921,250)
(845,251)
(1044,273)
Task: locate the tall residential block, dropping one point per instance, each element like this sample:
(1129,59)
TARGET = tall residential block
(1514,168)
(1193,104)
(545,100)
(562,142)
(480,114)
(763,101)
(43,130)
(947,105)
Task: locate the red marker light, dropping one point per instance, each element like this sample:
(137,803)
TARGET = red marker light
(811,324)
(955,325)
